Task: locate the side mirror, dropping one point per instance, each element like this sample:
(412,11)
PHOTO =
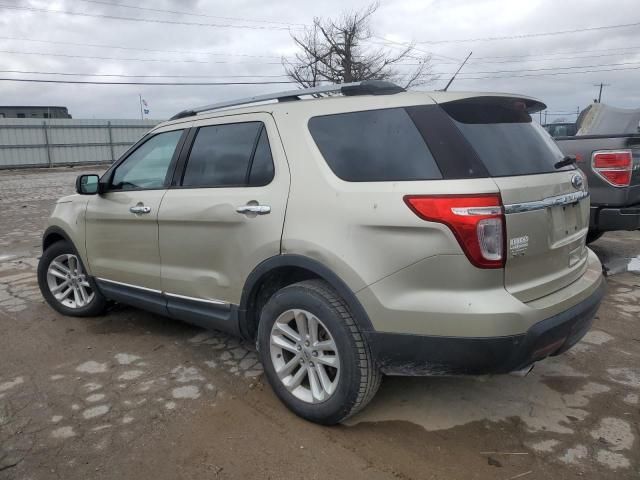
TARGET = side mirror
(88,184)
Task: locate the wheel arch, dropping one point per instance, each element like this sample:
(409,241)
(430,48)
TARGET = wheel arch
(282,270)
(55,234)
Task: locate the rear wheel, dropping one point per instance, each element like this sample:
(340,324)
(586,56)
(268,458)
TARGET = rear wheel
(65,285)
(315,357)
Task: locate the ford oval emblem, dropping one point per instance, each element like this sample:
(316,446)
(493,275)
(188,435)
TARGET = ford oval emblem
(577,181)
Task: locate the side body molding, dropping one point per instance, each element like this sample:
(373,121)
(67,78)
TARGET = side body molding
(232,319)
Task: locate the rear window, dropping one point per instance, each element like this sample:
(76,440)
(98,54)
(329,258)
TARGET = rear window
(374,146)
(505,137)
(561,129)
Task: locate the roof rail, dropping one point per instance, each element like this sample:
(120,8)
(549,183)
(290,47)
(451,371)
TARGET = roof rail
(365,87)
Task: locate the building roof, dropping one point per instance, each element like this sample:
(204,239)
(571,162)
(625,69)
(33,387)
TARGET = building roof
(32,106)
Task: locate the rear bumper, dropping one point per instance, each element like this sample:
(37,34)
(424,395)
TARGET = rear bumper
(605,219)
(402,354)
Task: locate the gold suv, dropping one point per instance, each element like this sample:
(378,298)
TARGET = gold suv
(371,231)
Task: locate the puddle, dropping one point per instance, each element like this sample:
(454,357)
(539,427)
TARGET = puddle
(443,403)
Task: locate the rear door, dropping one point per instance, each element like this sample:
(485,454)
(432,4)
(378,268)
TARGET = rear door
(226,212)
(546,208)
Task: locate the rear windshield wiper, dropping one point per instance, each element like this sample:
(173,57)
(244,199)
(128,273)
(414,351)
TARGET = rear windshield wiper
(568,160)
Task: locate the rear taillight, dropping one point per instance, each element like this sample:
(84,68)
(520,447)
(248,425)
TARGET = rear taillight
(614,166)
(477,221)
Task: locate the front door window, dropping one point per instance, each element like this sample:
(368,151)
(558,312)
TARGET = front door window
(147,167)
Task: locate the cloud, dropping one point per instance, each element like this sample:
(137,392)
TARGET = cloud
(187,50)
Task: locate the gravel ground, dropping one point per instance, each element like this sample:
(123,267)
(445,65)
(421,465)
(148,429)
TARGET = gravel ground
(134,395)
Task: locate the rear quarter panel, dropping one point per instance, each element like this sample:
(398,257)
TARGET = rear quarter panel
(363,231)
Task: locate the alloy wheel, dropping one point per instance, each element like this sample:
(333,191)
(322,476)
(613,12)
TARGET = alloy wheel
(68,283)
(305,356)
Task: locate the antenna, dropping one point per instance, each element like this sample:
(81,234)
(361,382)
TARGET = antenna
(457,71)
(601,85)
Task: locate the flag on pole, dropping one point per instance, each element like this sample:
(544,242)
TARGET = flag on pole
(144,102)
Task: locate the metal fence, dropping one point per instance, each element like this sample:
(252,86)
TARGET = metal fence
(55,142)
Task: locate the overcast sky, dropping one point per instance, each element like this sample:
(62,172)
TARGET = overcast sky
(248,38)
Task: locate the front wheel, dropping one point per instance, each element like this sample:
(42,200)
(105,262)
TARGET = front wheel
(315,357)
(65,285)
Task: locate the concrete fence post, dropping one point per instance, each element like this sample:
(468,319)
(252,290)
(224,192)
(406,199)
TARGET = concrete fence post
(113,156)
(45,129)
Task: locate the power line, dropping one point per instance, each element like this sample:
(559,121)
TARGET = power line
(560,113)
(117,75)
(286,81)
(549,74)
(191,52)
(90,82)
(562,52)
(634,67)
(387,42)
(531,35)
(125,59)
(535,59)
(182,12)
(144,20)
(278,63)
(520,58)
(517,58)
(554,68)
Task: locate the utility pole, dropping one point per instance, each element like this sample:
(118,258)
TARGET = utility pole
(601,85)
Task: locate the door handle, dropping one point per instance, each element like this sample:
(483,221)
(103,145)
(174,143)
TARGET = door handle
(140,209)
(255,209)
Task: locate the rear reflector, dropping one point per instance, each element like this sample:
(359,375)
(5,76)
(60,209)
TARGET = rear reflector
(613,166)
(477,221)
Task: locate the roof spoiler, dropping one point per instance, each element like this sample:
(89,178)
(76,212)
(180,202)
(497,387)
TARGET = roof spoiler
(528,104)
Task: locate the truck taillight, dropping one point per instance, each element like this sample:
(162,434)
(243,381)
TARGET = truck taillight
(477,221)
(614,166)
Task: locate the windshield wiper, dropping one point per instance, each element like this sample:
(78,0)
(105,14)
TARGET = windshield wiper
(568,160)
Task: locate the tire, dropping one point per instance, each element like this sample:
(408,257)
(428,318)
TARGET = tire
(353,383)
(593,235)
(91,304)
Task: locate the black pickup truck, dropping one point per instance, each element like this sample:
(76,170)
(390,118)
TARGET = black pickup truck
(611,163)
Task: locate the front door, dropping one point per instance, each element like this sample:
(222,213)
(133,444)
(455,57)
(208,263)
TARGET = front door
(122,223)
(227,213)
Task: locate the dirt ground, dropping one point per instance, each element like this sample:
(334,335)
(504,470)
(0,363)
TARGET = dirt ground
(132,395)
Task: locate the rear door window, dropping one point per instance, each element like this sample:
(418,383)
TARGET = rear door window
(228,155)
(505,137)
(261,172)
(374,146)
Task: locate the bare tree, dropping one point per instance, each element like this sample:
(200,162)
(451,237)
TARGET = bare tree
(340,51)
